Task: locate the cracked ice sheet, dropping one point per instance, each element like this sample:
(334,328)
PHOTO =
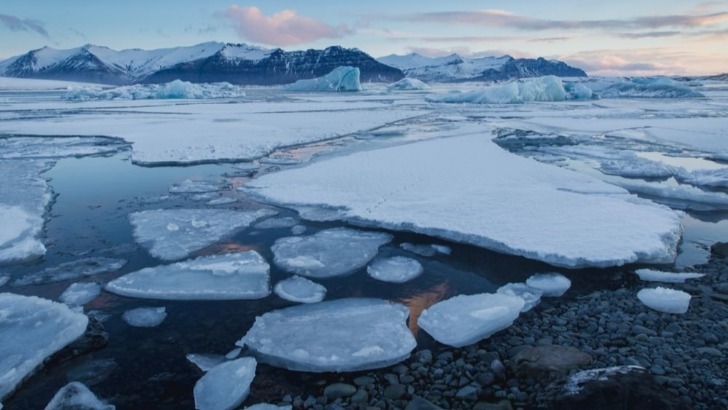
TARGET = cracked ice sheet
(485,196)
(207,132)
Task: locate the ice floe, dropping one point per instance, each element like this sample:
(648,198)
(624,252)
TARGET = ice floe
(298,230)
(197,186)
(171,234)
(301,290)
(511,213)
(339,335)
(656,87)
(79,294)
(205,362)
(531,296)
(33,329)
(464,320)
(665,300)
(550,284)
(331,252)
(176,89)
(397,269)
(4,279)
(275,223)
(716,178)
(652,275)
(408,84)
(339,79)
(548,88)
(145,316)
(72,270)
(226,385)
(241,275)
(76,395)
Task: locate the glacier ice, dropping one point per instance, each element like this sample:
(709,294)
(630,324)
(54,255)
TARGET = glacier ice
(531,296)
(655,87)
(226,385)
(339,79)
(665,300)
(301,290)
(548,88)
(340,335)
(176,89)
(171,234)
(76,395)
(331,252)
(408,84)
(550,284)
(33,329)
(72,270)
(230,276)
(652,275)
(464,320)
(275,223)
(205,362)
(79,294)
(145,316)
(397,269)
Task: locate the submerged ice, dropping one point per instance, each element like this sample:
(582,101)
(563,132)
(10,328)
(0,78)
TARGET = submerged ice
(145,316)
(75,269)
(79,294)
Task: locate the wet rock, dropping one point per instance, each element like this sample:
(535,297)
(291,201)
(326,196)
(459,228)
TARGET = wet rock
(501,405)
(548,362)
(720,249)
(469,393)
(95,338)
(418,403)
(338,390)
(394,391)
(364,381)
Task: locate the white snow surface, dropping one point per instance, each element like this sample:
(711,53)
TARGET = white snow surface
(33,329)
(226,385)
(464,320)
(28,84)
(531,296)
(339,79)
(548,88)
(652,275)
(340,335)
(299,289)
(397,269)
(665,300)
(230,276)
(331,252)
(550,284)
(174,90)
(205,362)
(513,213)
(171,234)
(145,316)
(79,294)
(76,395)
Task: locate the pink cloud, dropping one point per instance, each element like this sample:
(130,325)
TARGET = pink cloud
(282,28)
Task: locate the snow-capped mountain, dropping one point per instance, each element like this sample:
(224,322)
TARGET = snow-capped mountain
(456,68)
(206,62)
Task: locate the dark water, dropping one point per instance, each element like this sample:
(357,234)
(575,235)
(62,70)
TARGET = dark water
(146,367)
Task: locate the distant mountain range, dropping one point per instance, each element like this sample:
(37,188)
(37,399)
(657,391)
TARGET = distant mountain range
(251,65)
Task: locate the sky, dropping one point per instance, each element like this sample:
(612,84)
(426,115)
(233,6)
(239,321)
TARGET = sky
(614,37)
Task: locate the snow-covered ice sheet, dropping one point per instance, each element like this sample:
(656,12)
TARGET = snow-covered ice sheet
(665,300)
(331,252)
(76,395)
(652,275)
(531,296)
(339,79)
(145,316)
(299,289)
(525,208)
(171,234)
(75,269)
(33,329)
(226,385)
(397,269)
(339,335)
(464,320)
(550,284)
(175,90)
(230,276)
(79,294)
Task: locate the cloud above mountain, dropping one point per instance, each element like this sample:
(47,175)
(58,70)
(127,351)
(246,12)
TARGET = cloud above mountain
(17,24)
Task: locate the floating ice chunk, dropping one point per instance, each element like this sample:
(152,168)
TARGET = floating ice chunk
(233,354)
(79,294)
(464,320)
(530,295)
(649,88)
(301,290)
(652,275)
(222,201)
(77,396)
(425,250)
(298,229)
(340,79)
(332,252)
(445,250)
(408,84)
(33,329)
(241,275)
(397,269)
(176,89)
(717,178)
(205,362)
(665,300)
(268,406)
(197,186)
(275,223)
(676,195)
(339,335)
(145,316)
(72,270)
(577,91)
(192,229)
(226,385)
(551,284)
(548,88)
(4,279)
(574,384)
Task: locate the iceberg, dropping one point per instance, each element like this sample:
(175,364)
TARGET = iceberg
(551,285)
(331,252)
(76,395)
(665,300)
(171,234)
(652,275)
(176,89)
(205,362)
(531,296)
(548,88)
(72,270)
(396,269)
(341,335)
(230,276)
(79,294)
(659,87)
(301,290)
(340,79)
(226,385)
(33,329)
(408,84)
(464,320)
(145,316)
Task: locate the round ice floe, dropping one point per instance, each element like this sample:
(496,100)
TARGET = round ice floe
(652,275)
(301,290)
(226,385)
(551,284)
(145,316)
(464,320)
(665,300)
(339,335)
(531,296)
(397,269)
